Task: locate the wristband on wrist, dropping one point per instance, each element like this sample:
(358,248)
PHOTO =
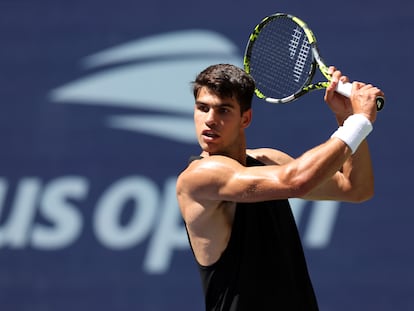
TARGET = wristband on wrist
(355,129)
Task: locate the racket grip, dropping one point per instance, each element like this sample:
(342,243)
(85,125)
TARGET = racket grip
(346,88)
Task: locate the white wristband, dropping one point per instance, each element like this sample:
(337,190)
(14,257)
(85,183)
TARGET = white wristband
(354,131)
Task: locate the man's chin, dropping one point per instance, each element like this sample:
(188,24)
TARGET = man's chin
(210,149)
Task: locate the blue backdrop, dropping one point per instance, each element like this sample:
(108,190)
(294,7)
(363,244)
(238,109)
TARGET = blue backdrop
(96,123)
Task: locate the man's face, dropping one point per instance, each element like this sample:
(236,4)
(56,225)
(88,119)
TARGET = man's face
(219,123)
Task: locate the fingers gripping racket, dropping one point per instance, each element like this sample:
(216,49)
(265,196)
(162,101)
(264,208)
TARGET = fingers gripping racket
(282,57)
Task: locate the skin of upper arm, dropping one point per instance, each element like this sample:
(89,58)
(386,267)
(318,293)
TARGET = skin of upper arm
(219,178)
(339,187)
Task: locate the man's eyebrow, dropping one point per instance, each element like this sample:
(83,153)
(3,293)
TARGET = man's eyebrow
(220,105)
(225,104)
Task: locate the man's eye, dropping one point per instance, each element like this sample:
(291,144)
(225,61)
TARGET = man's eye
(203,108)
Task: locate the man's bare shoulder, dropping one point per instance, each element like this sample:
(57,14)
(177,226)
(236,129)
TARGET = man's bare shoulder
(204,169)
(270,156)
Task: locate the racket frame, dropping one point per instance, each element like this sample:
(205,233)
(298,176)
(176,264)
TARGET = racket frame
(316,59)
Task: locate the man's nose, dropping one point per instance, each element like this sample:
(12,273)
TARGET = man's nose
(211,117)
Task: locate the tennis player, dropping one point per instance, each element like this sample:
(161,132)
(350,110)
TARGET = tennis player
(234,200)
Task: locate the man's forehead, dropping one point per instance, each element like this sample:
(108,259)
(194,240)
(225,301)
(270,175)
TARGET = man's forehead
(208,97)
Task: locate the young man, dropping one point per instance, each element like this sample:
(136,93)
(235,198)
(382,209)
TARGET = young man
(234,201)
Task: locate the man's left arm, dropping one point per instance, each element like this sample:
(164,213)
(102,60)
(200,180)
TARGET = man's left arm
(353,183)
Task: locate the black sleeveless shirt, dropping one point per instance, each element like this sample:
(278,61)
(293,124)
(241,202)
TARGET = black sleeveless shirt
(263,266)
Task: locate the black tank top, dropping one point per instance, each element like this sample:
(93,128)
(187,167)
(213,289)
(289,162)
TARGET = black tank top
(263,266)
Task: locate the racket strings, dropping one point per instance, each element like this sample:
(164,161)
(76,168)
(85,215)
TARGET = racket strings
(281,58)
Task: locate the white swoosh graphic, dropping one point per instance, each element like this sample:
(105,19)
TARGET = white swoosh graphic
(161,85)
(185,42)
(174,128)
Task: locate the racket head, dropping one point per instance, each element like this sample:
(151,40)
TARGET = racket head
(280,57)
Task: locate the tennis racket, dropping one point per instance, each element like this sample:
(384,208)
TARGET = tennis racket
(282,57)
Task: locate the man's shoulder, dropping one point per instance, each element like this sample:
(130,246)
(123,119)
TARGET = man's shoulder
(198,165)
(205,172)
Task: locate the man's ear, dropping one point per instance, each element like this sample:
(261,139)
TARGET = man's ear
(247,118)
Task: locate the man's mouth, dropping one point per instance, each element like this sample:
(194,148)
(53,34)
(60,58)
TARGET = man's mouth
(210,134)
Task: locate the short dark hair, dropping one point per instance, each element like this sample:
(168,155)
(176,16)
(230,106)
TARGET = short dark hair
(227,80)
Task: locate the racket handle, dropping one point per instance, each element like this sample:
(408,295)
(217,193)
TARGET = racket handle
(346,88)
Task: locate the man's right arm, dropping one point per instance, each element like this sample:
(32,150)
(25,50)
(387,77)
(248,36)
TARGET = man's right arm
(219,178)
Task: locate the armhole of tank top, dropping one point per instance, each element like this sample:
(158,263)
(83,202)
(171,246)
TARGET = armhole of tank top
(202,267)
(213,265)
